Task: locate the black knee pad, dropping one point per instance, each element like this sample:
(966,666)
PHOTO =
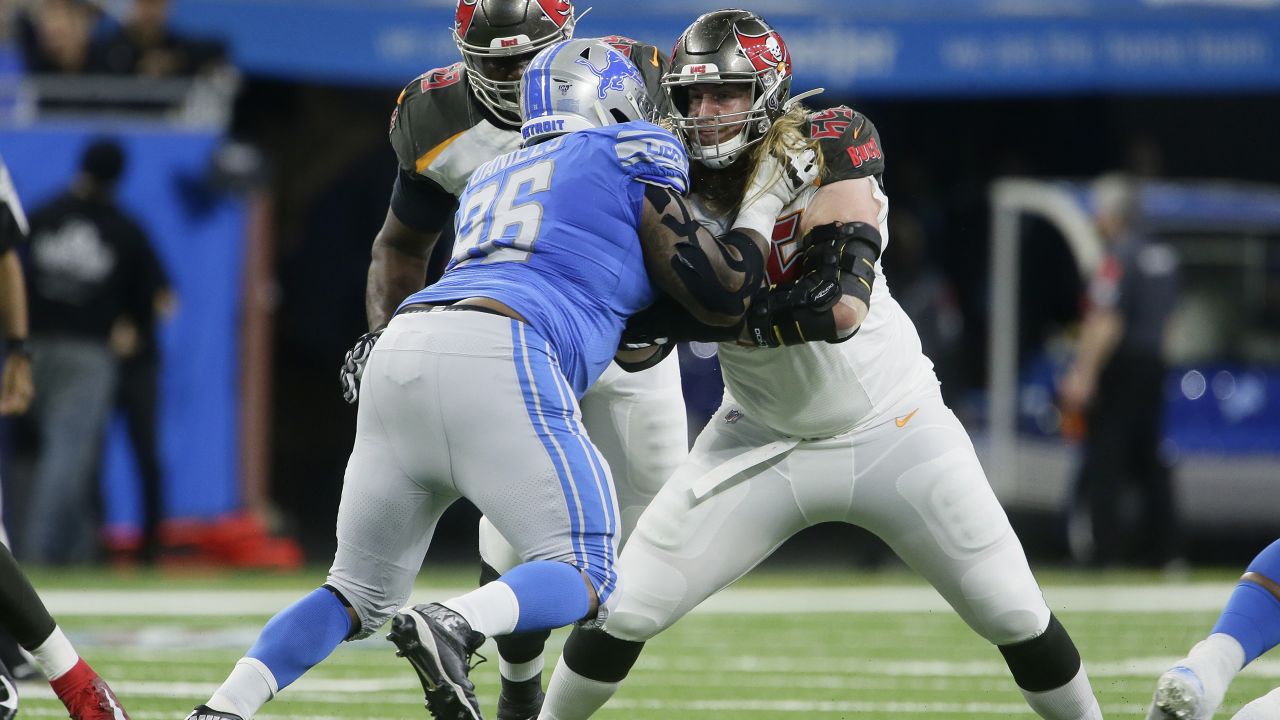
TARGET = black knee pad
(1045,662)
(522,647)
(597,655)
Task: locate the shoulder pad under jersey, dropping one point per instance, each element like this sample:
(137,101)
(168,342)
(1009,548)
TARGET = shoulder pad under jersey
(652,155)
(431,110)
(849,142)
(652,63)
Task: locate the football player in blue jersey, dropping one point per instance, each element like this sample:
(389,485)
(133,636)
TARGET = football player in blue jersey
(1248,627)
(472,391)
(446,123)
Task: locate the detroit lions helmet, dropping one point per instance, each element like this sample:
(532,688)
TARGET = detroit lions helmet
(497,37)
(580,84)
(729,46)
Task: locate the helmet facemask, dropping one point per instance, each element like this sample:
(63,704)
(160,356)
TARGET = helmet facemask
(728,47)
(495,63)
(751,124)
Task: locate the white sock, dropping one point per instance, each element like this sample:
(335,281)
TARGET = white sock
(519,672)
(1215,660)
(490,609)
(249,686)
(1266,707)
(55,656)
(571,696)
(1073,701)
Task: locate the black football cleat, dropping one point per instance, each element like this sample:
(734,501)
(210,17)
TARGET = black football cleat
(520,700)
(204,712)
(439,644)
(8,696)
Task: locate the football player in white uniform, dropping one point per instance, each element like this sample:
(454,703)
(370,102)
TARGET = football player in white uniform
(447,122)
(854,432)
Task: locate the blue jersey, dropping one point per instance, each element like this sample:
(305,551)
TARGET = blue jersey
(551,231)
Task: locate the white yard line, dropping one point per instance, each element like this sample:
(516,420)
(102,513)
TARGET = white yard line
(1174,597)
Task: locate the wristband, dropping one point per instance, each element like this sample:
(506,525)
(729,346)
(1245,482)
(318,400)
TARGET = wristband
(16,346)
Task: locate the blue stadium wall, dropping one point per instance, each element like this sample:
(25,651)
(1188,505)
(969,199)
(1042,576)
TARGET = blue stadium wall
(199,234)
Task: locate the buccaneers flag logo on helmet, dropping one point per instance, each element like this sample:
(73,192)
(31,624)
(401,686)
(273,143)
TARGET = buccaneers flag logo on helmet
(558,10)
(766,52)
(462,20)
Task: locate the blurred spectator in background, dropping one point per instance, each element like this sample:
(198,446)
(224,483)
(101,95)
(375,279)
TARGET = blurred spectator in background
(1116,383)
(146,46)
(54,36)
(85,259)
(133,340)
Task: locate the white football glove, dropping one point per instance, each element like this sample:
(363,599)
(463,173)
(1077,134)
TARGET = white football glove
(775,185)
(353,365)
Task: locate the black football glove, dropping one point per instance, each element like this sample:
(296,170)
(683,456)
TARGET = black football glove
(353,365)
(794,312)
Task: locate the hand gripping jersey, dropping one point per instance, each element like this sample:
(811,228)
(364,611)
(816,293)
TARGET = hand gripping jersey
(820,389)
(550,231)
(441,133)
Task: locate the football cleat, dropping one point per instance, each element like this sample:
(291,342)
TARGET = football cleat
(204,712)
(439,644)
(520,700)
(8,697)
(1179,696)
(94,701)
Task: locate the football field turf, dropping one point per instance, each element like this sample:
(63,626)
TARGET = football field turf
(777,645)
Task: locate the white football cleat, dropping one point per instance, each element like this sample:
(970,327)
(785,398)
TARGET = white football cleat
(1179,696)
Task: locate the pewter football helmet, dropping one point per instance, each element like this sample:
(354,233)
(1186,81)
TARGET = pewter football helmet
(729,46)
(580,84)
(496,37)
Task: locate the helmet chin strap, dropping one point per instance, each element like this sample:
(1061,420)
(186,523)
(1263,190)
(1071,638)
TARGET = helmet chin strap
(726,152)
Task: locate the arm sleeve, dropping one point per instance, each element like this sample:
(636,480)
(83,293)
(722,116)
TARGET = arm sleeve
(420,202)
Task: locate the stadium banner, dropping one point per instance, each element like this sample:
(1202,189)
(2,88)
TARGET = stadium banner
(199,235)
(915,48)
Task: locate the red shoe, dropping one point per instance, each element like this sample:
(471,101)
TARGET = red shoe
(87,696)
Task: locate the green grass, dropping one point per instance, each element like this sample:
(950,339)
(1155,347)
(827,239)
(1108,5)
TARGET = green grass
(897,665)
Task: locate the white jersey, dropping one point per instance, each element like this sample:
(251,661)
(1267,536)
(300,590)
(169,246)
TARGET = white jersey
(821,389)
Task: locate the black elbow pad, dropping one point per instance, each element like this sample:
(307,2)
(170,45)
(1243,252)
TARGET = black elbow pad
(845,253)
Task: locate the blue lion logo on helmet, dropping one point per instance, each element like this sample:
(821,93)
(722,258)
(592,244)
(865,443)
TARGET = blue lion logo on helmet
(617,69)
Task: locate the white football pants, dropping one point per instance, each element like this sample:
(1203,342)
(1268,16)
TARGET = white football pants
(910,476)
(467,404)
(638,422)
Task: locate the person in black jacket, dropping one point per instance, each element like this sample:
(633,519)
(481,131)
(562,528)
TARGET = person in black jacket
(85,260)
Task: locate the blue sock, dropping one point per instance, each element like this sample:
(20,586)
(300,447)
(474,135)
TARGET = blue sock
(1252,615)
(551,594)
(301,635)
